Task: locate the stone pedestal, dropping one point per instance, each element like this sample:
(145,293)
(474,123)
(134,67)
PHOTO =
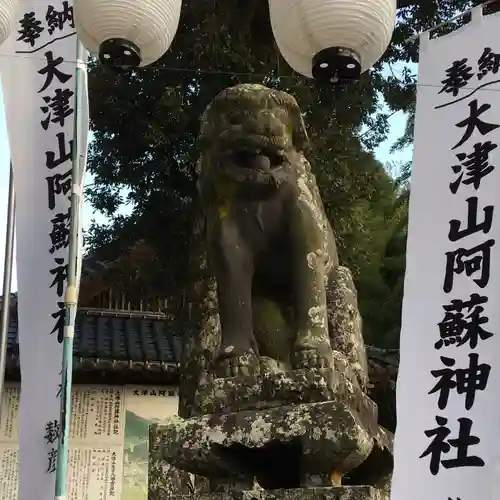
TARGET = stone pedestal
(261,431)
(277,388)
(332,493)
(315,437)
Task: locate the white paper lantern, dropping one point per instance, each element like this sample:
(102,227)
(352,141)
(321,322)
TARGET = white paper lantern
(8,10)
(332,40)
(127,33)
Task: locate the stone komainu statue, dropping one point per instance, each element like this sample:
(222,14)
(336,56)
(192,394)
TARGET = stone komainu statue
(273,295)
(274,376)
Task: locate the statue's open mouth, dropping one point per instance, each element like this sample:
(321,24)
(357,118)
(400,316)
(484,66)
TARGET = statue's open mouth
(259,160)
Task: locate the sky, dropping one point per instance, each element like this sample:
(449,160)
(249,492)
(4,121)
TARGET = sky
(396,122)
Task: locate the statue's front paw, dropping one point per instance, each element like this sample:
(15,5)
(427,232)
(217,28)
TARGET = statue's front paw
(312,357)
(231,363)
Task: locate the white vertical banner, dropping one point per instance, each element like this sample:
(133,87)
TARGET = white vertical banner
(37,67)
(448,391)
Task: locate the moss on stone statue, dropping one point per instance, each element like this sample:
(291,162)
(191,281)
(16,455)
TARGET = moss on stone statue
(331,437)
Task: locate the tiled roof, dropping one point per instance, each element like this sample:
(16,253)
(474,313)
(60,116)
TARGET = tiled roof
(116,341)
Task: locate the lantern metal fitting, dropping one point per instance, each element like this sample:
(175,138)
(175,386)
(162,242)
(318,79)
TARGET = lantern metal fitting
(120,53)
(336,65)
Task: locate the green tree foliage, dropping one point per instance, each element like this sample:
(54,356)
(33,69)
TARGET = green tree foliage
(145,125)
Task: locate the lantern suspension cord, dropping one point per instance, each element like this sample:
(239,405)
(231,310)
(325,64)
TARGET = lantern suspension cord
(7,279)
(413,38)
(71,296)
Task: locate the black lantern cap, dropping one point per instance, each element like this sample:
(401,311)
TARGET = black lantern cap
(336,65)
(120,54)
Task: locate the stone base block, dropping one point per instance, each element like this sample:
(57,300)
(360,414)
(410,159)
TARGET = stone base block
(315,438)
(233,394)
(335,493)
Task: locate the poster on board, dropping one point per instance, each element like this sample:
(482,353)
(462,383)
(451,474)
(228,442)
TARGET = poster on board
(109,440)
(144,406)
